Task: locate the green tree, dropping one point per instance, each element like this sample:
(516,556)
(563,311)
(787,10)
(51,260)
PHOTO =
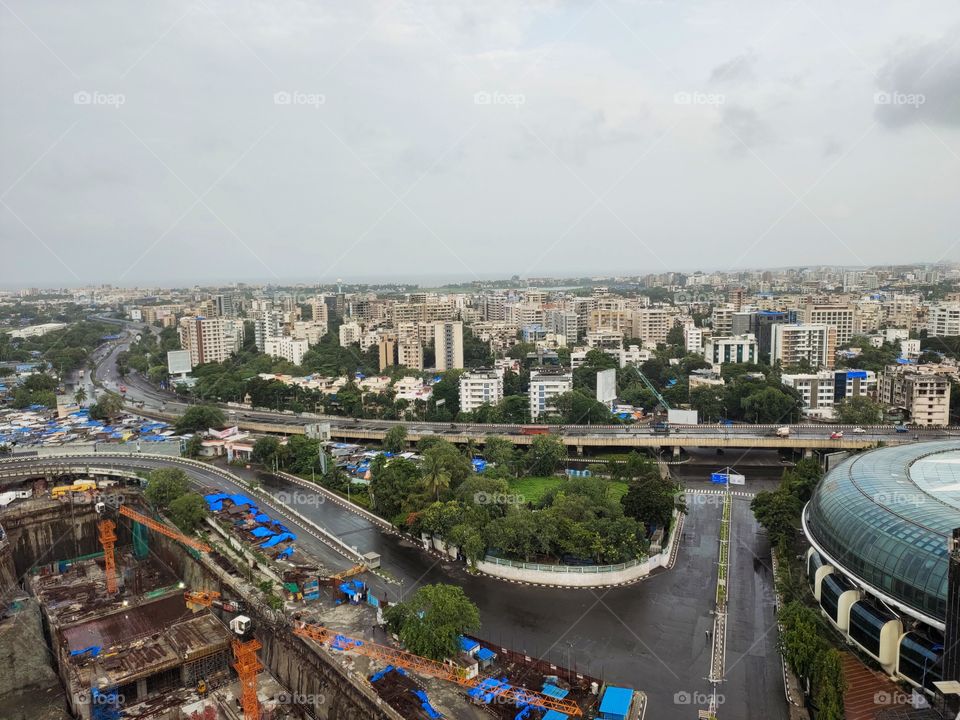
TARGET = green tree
(651,502)
(393,482)
(778,512)
(707,400)
(188,511)
(829,686)
(109,406)
(269,452)
(194,446)
(431,622)
(164,485)
(396,439)
(578,408)
(197,418)
(546,454)
(770,405)
(801,640)
(503,455)
(79,395)
(859,411)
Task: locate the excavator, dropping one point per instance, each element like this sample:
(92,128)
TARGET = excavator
(381,653)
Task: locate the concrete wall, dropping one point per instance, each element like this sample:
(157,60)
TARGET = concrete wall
(583,579)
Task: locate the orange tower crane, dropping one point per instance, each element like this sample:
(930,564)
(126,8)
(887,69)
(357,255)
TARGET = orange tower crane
(426,666)
(245,648)
(108,538)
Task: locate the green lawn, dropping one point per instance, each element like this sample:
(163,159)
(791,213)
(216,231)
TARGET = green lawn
(534,488)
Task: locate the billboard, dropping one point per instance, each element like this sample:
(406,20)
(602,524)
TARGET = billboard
(682,417)
(178,362)
(607,386)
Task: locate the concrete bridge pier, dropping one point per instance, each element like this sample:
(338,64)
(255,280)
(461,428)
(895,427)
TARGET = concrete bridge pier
(579,450)
(807,453)
(676,451)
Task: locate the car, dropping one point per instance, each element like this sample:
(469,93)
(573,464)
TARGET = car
(901,428)
(836,435)
(858,431)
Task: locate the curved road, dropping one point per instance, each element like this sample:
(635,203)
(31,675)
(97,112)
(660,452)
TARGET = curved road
(651,636)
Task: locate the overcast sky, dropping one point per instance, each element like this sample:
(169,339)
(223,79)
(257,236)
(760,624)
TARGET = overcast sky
(216,140)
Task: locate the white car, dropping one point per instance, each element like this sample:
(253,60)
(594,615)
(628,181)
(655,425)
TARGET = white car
(858,431)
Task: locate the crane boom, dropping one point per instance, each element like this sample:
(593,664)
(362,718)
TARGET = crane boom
(652,388)
(163,529)
(426,666)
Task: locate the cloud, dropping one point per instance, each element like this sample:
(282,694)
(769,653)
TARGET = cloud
(741,68)
(746,125)
(921,84)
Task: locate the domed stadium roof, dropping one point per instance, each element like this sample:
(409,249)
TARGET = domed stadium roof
(884,518)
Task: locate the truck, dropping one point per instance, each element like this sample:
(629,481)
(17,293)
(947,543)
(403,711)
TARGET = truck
(782,432)
(535,430)
(661,427)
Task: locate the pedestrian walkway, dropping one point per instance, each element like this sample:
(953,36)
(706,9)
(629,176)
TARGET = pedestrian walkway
(869,692)
(711,491)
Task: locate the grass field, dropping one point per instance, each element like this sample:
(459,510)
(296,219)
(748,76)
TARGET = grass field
(534,488)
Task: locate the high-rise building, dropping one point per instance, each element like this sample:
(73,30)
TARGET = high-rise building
(821,391)
(448,345)
(545,385)
(208,339)
(480,387)
(410,353)
(388,350)
(794,344)
(267,325)
(227,304)
(943,319)
(840,316)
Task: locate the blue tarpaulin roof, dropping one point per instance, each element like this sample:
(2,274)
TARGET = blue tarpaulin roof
(616,701)
(262,518)
(262,532)
(554,715)
(276,539)
(485,654)
(856,373)
(468,645)
(554,691)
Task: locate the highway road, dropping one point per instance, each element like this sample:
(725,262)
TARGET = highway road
(651,635)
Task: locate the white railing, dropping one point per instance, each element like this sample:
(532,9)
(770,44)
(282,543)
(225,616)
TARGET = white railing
(578,569)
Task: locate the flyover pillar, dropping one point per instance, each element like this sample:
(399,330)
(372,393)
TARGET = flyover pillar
(676,451)
(579,450)
(807,453)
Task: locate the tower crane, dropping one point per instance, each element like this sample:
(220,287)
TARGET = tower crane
(107,534)
(245,647)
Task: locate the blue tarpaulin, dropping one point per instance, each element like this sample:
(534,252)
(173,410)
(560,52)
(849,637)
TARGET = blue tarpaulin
(425,704)
(616,702)
(485,654)
(262,532)
(262,518)
(468,645)
(276,539)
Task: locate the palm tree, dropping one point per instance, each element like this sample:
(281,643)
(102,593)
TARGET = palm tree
(79,395)
(435,476)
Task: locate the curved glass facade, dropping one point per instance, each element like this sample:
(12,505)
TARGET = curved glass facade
(884,516)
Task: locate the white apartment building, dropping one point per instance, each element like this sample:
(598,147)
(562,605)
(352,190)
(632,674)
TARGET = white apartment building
(545,386)
(267,325)
(480,387)
(288,348)
(693,338)
(821,391)
(308,330)
(792,344)
(350,333)
(734,349)
(448,345)
(209,339)
(943,319)
(721,319)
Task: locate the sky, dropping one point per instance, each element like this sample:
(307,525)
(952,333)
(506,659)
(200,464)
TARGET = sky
(220,141)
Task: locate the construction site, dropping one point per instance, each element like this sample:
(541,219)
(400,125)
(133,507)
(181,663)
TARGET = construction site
(138,620)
